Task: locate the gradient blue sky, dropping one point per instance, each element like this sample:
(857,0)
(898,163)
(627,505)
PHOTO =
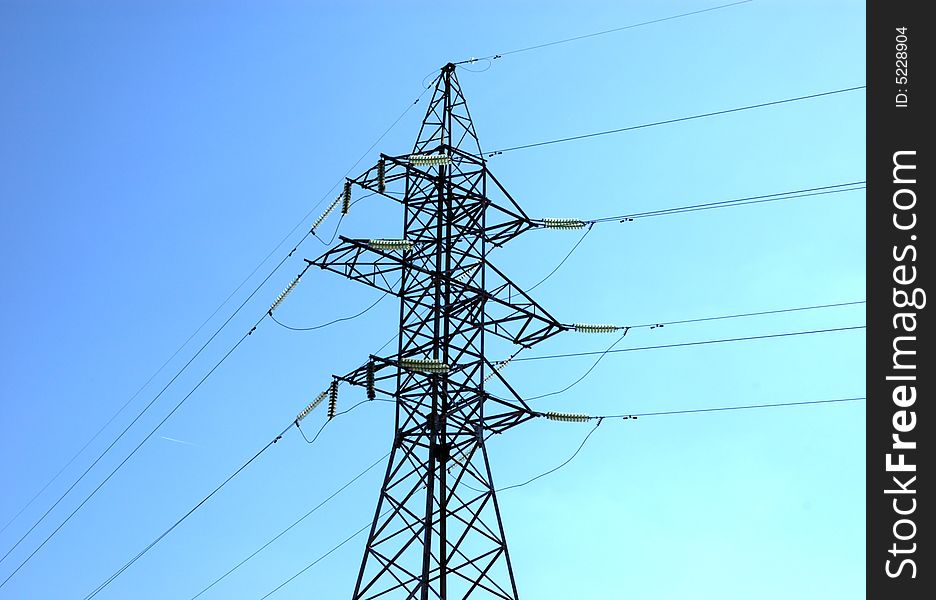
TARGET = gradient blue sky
(153,152)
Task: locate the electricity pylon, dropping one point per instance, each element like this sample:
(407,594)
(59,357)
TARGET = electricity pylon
(437,531)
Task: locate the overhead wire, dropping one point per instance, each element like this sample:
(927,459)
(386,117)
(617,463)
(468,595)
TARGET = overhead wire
(338,414)
(803,193)
(729,408)
(334,233)
(577,451)
(600,418)
(557,467)
(219,307)
(500,55)
(698,343)
(169,530)
(675,120)
(276,439)
(588,372)
(529,358)
(563,261)
(285,238)
(132,452)
(776,311)
(159,394)
(145,409)
(321,558)
(294,524)
(334,321)
(146,549)
(660,324)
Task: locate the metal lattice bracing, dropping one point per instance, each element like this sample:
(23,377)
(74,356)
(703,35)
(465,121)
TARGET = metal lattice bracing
(437,532)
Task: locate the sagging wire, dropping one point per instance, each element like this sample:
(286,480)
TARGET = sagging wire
(325,213)
(338,414)
(550,471)
(334,321)
(489,63)
(559,466)
(332,394)
(578,418)
(588,372)
(563,261)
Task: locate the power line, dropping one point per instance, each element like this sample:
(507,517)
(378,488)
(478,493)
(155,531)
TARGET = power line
(556,468)
(676,120)
(144,410)
(344,412)
(657,325)
(588,372)
(159,538)
(132,452)
(600,418)
(179,373)
(749,314)
(339,320)
(562,262)
(184,344)
(296,522)
(158,395)
(803,193)
(725,408)
(320,558)
(552,470)
(598,33)
(719,341)
(149,546)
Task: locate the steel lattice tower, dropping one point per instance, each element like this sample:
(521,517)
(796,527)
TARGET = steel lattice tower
(437,531)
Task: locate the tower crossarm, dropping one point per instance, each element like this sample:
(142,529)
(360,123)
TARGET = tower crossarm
(504,220)
(510,313)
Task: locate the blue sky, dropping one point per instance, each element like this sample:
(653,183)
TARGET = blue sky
(153,153)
